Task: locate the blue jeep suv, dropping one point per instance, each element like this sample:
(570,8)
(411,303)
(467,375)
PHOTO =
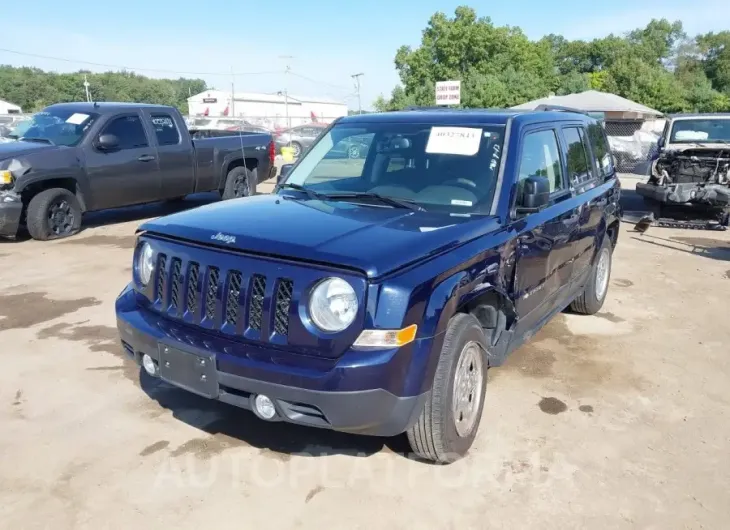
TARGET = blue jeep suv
(370,295)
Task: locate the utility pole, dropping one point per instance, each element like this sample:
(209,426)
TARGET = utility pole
(357,77)
(86,88)
(233,94)
(287,68)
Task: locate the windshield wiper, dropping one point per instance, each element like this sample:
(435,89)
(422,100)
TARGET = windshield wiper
(32,139)
(395,203)
(309,192)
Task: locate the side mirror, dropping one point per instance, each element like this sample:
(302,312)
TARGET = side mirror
(535,195)
(285,169)
(107,142)
(660,142)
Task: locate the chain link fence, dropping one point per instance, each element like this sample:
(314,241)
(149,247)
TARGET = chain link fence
(633,145)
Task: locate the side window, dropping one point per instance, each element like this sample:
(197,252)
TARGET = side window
(540,157)
(129,131)
(579,167)
(602,154)
(165,129)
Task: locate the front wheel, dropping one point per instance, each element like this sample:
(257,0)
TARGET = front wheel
(450,419)
(53,214)
(240,182)
(594,294)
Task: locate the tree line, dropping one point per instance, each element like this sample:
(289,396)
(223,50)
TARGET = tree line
(34,89)
(659,66)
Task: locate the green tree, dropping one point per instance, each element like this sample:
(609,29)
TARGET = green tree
(33,89)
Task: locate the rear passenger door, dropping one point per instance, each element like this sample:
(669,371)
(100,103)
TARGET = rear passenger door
(589,213)
(543,267)
(127,174)
(175,155)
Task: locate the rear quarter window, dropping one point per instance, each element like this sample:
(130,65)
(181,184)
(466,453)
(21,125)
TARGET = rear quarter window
(601,152)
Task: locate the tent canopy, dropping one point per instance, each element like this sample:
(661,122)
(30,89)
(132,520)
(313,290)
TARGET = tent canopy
(593,101)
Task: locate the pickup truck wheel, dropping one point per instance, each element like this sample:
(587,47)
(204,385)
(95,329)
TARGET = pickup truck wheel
(591,299)
(53,214)
(450,419)
(239,183)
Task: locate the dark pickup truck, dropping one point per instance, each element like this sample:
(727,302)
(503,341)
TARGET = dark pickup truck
(81,157)
(383,287)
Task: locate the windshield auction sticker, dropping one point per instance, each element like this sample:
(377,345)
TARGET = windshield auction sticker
(454,141)
(77,118)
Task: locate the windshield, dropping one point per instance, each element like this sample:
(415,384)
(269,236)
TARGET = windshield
(450,169)
(58,127)
(701,131)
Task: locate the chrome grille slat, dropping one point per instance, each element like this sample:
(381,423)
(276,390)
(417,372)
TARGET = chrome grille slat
(210,294)
(281,310)
(192,291)
(176,283)
(234,292)
(161,277)
(256,303)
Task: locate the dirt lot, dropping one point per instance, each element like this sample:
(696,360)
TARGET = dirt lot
(614,421)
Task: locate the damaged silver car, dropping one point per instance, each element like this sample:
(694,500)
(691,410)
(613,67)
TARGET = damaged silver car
(690,173)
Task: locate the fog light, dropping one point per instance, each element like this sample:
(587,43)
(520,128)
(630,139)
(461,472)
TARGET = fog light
(264,407)
(149,364)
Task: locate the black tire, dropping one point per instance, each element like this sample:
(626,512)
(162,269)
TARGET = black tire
(589,302)
(297,147)
(53,214)
(434,436)
(240,182)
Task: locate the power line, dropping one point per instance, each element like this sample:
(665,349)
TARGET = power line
(300,76)
(122,67)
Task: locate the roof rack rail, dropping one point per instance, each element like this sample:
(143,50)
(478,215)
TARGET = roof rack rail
(417,107)
(559,108)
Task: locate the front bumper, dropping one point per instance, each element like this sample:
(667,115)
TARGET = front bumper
(334,396)
(711,195)
(11,209)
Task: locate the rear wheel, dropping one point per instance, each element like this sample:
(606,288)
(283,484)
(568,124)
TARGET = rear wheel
(296,149)
(449,422)
(240,182)
(591,299)
(53,214)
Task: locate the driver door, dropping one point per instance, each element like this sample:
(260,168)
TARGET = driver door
(128,174)
(543,264)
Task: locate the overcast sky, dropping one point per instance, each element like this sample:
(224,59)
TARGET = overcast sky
(328,40)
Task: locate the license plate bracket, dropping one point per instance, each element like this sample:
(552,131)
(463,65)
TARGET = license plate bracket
(193,372)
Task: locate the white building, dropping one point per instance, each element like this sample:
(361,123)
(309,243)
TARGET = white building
(9,108)
(270,110)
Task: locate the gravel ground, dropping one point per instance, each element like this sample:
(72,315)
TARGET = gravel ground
(619,420)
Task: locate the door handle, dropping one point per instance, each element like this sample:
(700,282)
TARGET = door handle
(146,158)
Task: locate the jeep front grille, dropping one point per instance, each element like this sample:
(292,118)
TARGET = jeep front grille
(228,300)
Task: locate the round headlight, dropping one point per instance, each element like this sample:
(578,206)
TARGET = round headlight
(333,305)
(145,263)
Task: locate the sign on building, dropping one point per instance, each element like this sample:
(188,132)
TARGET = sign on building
(448,93)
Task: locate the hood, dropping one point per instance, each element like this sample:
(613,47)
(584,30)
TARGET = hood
(20,148)
(370,239)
